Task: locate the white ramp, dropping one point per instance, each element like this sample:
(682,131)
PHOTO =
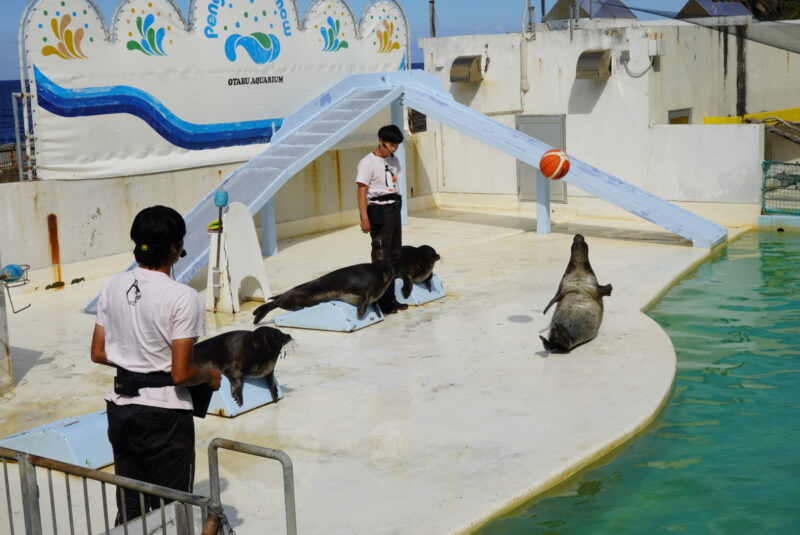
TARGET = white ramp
(322,123)
(441,106)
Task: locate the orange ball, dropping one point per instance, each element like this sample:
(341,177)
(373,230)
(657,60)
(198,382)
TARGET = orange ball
(554,164)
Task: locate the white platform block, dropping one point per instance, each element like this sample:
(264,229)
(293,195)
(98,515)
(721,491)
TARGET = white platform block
(419,292)
(242,273)
(330,316)
(80,440)
(255,393)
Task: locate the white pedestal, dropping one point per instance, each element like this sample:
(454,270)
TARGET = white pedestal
(242,276)
(330,316)
(255,393)
(419,292)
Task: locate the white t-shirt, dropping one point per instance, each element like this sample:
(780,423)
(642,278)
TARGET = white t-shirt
(379,175)
(142,311)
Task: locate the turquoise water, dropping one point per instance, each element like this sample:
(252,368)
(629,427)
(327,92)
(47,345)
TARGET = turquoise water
(724,457)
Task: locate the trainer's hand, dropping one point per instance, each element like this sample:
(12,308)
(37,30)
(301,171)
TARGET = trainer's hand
(365,225)
(214,378)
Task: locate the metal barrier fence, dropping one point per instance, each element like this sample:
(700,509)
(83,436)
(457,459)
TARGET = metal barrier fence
(278,455)
(65,509)
(780,190)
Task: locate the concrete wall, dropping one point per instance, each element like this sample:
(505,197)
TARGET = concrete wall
(619,124)
(93,217)
(6,376)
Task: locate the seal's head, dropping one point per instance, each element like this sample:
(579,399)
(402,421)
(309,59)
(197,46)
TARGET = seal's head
(270,341)
(580,253)
(428,253)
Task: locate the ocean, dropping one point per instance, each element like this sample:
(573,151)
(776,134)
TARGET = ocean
(7,87)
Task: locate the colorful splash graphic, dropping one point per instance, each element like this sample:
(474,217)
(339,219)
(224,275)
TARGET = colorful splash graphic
(330,36)
(261,47)
(151,39)
(108,100)
(69,44)
(385,42)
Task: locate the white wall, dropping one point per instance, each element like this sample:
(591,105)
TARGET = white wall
(610,123)
(94,216)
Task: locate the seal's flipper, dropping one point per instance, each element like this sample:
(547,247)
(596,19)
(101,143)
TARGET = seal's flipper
(406,291)
(429,282)
(604,291)
(361,309)
(547,345)
(237,383)
(273,387)
(560,338)
(554,300)
(263,310)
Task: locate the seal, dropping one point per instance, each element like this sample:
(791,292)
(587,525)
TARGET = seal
(240,354)
(416,266)
(580,302)
(358,285)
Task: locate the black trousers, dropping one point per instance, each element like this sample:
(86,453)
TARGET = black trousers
(385,229)
(154,445)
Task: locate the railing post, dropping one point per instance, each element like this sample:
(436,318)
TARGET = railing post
(15,107)
(269,453)
(542,204)
(30,495)
(400,154)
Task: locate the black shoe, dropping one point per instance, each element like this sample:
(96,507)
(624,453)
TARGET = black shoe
(400,306)
(388,308)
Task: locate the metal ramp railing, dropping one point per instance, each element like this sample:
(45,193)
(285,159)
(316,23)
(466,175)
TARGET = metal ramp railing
(323,122)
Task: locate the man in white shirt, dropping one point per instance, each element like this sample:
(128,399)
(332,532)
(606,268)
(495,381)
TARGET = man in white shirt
(146,327)
(379,203)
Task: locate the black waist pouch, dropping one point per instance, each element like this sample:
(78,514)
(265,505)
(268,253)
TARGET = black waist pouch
(128,383)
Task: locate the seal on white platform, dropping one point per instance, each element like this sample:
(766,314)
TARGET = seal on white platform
(358,285)
(580,302)
(416,266)
(240,354)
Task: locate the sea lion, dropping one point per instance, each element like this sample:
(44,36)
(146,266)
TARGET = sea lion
(240,354)
(358,285)
(580,302)
(416,266)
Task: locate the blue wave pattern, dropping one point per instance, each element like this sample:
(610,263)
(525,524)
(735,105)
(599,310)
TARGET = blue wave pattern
(261,47)
(125,99)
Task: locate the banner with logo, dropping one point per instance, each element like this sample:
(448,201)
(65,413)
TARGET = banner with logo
(150,91)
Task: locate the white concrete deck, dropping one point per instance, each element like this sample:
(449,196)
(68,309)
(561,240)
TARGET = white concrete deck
(435,419)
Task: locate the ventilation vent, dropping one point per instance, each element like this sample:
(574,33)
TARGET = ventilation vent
(594,64)
(466,69)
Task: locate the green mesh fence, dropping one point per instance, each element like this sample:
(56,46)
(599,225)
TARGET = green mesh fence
(780,191)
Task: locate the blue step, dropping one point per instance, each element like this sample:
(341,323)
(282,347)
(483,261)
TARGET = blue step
(80,440)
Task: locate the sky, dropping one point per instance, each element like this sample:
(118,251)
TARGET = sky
(453,17)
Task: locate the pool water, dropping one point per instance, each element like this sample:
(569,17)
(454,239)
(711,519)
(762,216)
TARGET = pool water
(724,457)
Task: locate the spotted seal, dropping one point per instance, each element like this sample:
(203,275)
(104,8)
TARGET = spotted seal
(416,266)
(240,354)
(580,302)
